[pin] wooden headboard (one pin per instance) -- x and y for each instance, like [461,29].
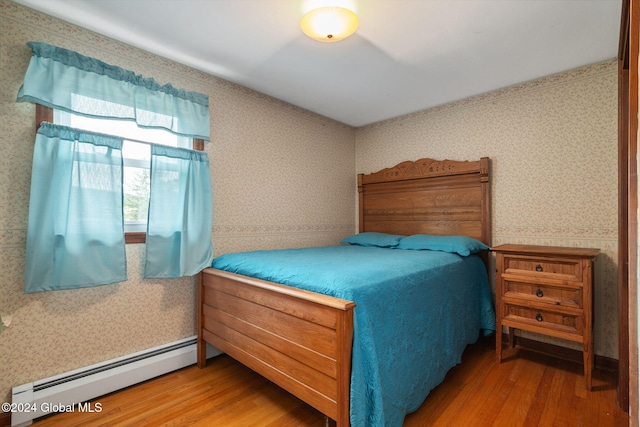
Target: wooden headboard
[428,196]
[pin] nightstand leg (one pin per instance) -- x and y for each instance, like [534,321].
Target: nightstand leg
[499,343]
[588,367]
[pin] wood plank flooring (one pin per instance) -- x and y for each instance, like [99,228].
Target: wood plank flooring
[528,389]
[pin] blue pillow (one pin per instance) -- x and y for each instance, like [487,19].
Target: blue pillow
[372,238]
[461,245]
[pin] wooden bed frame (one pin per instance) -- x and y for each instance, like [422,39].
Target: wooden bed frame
[302,340]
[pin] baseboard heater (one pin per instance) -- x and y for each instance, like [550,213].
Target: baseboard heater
[71,390]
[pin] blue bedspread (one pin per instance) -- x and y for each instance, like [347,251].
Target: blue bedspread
[415,313]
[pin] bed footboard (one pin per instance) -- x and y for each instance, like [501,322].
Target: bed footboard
[297,339]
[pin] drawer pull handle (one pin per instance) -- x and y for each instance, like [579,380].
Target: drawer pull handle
[538,267]
[539,293]
[539,317]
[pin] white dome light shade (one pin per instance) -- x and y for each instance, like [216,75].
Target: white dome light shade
[329,23]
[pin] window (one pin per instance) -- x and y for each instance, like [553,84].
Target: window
[75,230]
[136,157]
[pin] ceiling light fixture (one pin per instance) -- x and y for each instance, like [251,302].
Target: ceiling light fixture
[329,22]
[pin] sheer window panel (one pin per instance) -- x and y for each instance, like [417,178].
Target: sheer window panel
[136,159]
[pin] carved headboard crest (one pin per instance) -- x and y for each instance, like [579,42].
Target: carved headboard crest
[424,168]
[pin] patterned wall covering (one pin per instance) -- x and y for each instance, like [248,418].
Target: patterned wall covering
[282,177]
[553,149]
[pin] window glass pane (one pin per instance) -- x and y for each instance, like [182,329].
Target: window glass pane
[136,194]
[135,151]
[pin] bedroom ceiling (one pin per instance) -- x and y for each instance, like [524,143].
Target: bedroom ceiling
[407,55]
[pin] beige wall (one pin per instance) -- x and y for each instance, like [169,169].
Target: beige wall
[281,177]
[553,149]
[284,177]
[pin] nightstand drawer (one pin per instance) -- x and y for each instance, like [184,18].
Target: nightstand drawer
[531,318]
[563,269]
[546,294]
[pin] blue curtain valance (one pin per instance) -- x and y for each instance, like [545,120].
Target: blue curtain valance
[60,78]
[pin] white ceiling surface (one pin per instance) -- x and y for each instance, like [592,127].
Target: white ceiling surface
[406,56]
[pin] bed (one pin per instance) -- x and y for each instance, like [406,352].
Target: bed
[300,335]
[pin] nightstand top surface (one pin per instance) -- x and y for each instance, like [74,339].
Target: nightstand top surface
[547,250]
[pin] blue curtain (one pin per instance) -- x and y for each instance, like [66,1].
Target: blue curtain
[56,76]
[180,213]
[75,235]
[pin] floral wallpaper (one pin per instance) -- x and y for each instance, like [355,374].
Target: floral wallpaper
[285,177]
[281,176]
[554,174]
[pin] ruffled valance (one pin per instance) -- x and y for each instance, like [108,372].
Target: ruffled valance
[61,79]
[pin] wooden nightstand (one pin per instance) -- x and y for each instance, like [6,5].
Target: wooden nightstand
[546,290]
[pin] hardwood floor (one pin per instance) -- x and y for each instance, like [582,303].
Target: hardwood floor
[528,390]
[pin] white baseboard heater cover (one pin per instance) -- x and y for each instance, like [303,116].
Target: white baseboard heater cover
[72,388]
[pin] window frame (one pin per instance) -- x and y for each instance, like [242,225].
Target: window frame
[45,114]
